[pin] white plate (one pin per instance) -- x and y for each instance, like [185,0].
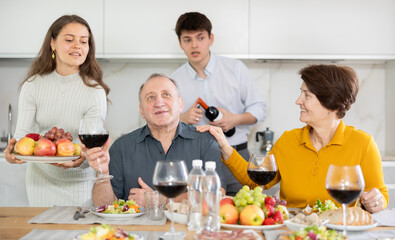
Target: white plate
[293,226]
[135,235]
[118,216]
[352,228]
[177,217]
[46,159]
[260,227]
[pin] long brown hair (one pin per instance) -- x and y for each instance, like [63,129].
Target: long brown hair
[89,71]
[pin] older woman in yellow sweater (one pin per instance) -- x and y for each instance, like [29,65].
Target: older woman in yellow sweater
[303,155]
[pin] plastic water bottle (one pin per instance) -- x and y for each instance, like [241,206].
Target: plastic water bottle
[211,195]
[194,195]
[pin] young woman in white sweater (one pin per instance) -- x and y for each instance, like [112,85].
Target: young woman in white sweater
[64,85]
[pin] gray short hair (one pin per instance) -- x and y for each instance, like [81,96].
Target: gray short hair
[154,75]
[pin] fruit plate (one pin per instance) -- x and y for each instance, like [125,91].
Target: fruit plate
[134,235]
[260,227]
[46,159]
[119,216]
[351,227]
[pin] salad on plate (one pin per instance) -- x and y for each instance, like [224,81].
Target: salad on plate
[119,206]
[314,232]
[105,232]
[320,207]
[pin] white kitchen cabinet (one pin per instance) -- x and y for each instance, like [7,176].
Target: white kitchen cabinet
[24,23]
[146,29]
[310,29]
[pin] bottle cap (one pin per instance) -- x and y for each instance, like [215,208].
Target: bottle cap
[197,163]
[209,164]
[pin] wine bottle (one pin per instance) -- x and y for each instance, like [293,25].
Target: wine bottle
[214,115]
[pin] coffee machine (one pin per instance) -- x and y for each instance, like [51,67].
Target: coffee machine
[267,140]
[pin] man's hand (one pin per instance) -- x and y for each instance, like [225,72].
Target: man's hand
[96,153]
[192,115]
[137,194]
[227,122]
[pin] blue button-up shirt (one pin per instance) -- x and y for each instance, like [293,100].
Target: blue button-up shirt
[228,85]
[135,155]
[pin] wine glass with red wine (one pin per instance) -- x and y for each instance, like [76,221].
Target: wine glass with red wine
[262,168]
[93,134]
[345,184]
[170,179]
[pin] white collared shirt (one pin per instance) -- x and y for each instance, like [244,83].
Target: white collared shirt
[228,85]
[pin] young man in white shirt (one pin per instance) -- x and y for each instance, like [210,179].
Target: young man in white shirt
[221,82]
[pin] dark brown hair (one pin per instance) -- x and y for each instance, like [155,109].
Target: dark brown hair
[89,71]
[336,87]
[192,21]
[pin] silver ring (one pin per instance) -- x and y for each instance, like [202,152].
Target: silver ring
[376,203]
[197,119]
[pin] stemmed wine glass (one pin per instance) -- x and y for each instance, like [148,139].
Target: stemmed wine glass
[262,168]
[170,179]
[93,134]
[345,184]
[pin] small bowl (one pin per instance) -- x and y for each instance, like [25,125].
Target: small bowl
[177,217]
[293,226]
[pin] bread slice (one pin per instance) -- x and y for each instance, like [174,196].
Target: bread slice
[355,216]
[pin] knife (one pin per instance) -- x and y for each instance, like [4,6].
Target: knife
[77,214]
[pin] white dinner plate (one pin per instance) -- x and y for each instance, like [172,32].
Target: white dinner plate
[135,235]
[177,217]
[118,216]
[260,227]
[351,227]
[46,159]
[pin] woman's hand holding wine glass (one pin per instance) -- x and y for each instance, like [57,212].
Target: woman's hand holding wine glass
[345,184]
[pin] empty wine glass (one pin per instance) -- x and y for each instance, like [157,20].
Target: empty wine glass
[262,168]
[345,184]
[93,134]
[170,179]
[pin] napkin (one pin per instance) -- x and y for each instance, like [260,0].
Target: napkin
[365,235]
[385,217]
[64,215]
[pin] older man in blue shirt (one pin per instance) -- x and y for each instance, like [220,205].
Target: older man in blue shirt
[133,156]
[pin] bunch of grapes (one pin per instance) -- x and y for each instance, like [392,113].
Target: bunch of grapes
[56,133]
[246,196]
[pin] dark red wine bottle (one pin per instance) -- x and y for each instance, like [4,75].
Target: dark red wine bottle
[213,115]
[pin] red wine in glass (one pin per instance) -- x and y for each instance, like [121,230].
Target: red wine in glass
[171,189]
[344,184]
[93,140]
[262,168]
[93,134]
[261,177]
[170,179]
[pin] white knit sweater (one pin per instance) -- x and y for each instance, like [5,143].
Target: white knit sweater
[61,101]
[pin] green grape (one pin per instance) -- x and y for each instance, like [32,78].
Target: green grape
[246,188]
[260,199]
[241,192]
[245,195]
[257,204]
[240,209]
[258,189]
[243,202]
[237,202]
[250,200]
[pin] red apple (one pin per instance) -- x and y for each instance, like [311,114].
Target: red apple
[252,215]
[228,214]
[45,147]
[25,146]
[34,136]
[64,147]
[226,201]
